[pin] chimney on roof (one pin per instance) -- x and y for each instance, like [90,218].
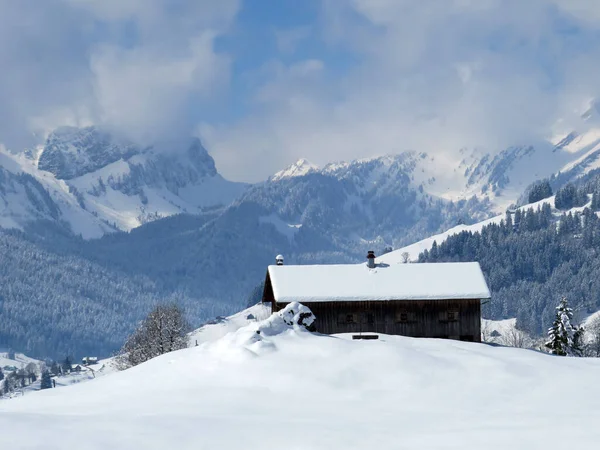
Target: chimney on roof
[279,260]
[371,259]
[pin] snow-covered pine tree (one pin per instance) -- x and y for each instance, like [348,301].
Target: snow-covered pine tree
[46,381]
[564,339]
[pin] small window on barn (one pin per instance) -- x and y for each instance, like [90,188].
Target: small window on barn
[347,318]
[402,317]
[449,315]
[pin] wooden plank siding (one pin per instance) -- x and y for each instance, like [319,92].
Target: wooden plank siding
[449,319]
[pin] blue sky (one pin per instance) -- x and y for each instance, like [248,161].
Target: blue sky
[265,82]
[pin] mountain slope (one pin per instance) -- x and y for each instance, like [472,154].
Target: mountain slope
[56,298]
[363,395]
[99,183]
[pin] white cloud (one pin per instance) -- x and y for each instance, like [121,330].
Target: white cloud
[136,65]
[432,76]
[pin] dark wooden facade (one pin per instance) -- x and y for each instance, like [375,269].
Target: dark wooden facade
[458,319]
[448,319]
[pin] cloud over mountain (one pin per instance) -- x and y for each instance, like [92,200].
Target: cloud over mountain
[137,66]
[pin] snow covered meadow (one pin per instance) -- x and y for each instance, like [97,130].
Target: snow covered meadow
[285,388]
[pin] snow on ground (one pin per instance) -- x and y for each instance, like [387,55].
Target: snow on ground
[589,320]
[503,332]
[224,325]
[286,229]
[19,362]
[417,248]
[499,326]
[297,390]
[87,373]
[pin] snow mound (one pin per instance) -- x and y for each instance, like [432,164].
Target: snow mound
[256,338]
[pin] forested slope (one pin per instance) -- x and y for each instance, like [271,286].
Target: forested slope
[532,259]
[55,302]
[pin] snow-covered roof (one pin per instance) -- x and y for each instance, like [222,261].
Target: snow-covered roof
[356,282]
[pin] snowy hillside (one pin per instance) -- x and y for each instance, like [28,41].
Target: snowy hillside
[221,326]
[413,250]
[19,362]
[321,392]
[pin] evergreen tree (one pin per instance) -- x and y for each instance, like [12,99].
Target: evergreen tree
[256,295]
[55,368]
[578,345]
[564,339]
[508,221]
[1,374]
[517,219]
[540,191]
[67,365]
[46,381]
[6,386]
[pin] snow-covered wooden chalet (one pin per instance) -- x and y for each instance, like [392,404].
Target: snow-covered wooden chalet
[441,300]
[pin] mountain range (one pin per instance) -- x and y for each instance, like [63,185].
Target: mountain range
[118,221]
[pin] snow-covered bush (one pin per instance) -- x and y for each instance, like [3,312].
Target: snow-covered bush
[294,316]
[297,315]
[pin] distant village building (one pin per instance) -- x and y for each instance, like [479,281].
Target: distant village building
[440,300]
[88,360]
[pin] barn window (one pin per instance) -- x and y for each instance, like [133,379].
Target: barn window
[347,318]
[449,315]
[404,316]
[369,318]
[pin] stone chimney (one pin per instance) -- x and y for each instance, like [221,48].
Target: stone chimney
[279,260]
[371,259]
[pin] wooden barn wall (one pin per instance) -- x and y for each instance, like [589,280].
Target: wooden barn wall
[415,318]
[268,292]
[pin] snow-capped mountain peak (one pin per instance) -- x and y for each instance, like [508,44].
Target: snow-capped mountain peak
[299,168]
[70,152]
[96,182]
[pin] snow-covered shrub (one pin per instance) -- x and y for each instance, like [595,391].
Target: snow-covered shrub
[296,314]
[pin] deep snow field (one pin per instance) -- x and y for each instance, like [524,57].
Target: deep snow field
[290,389]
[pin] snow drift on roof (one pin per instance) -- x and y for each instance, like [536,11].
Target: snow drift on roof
[355,282]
